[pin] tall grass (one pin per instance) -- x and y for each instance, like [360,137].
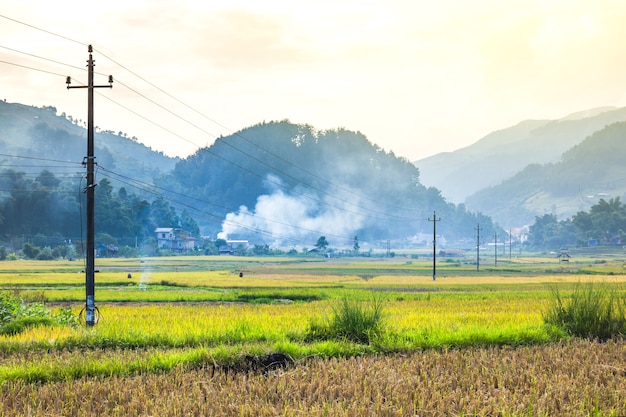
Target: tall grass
[354,320]
[594,312]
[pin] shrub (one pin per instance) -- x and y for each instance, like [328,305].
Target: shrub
[30,251]
[356,321]
[16,316]
[590,312]
[46,254]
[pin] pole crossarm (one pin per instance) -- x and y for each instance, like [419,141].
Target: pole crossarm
[89,161]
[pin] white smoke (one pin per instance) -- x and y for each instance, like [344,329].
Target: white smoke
[295,219]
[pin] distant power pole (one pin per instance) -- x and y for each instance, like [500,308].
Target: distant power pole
[495,246]
[510,245]
[90,304]
[434,220]
[477,247]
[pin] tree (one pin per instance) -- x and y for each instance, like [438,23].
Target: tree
[30,251]
[605,221]
[548,233]
[543,227]
[188,224]
[356,244]
[322,243]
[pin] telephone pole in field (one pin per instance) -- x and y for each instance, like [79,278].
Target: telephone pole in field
[495,251]
[89,161]
[434,220]
[477,247]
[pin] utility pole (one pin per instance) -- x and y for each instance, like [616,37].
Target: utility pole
[478,247]
[90,304]
[434,220]
[510,245]
[495,247]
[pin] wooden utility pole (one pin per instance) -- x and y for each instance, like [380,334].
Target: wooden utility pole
[434,220]
[478,247]
[495,251]
[89,161]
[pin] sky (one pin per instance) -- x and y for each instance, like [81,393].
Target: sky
[416,77]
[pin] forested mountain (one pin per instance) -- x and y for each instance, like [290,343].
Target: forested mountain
[501,154]
[287,183]
[588,172]
[35,137]
[275,183]
[42,182]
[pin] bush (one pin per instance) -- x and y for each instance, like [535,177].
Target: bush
[30,251]
[46,254]
[594,313]
[16,316]
[356,321]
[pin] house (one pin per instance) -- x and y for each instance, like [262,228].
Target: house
[174,239]
[233,246]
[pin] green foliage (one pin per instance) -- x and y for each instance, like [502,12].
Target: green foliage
[352,320]
[590,312]
[30,251]
[605,221]
[45,254]
[9,306]
[16,315]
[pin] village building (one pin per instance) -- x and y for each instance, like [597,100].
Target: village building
[233,246]
[174,239]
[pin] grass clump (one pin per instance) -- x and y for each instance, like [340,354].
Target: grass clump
[353,320]
[590,312]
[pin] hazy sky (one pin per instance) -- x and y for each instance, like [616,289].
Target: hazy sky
[416,77]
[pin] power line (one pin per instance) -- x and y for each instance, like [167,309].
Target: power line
[42,58]
[39,159]
[43,30]
[31,68]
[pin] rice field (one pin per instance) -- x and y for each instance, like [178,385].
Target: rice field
[574,378]
[186,336]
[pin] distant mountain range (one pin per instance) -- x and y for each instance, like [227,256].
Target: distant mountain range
[536,167]
[488,175]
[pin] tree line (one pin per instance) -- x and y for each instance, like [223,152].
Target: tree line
[47,211]
[603,224]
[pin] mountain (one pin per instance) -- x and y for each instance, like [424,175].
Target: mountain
[35,137]
[275,183]
[591,170]
[286,183]
[501,154]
